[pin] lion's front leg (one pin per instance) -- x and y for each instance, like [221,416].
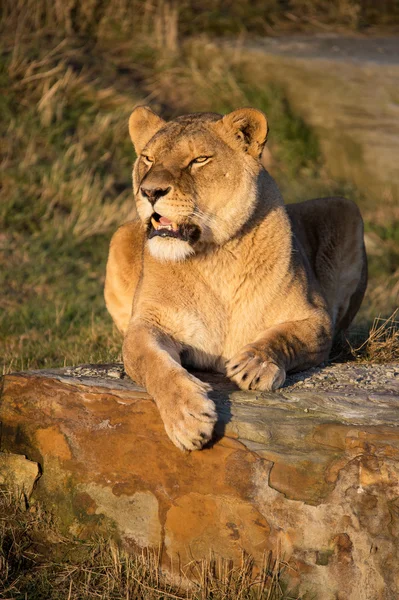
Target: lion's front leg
[290,346]
[152,359]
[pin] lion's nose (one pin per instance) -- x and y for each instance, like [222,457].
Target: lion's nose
[154,193]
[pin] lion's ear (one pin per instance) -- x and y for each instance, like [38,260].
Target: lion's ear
[249,126]
[143,125]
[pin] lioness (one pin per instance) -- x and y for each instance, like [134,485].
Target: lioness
[217,273]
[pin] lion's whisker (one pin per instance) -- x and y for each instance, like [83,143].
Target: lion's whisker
[208,220]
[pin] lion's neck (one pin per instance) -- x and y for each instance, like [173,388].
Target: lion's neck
[268,228]
[241,258]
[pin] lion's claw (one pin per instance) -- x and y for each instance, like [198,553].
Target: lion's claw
[251,370]
[188,414]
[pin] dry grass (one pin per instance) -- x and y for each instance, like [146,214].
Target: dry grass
[382,343]
[66,162]
[38,562]
[100,19]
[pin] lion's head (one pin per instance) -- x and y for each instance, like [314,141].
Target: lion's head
[195,178]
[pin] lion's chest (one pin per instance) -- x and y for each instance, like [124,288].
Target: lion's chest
[223,312]
[186,309]
[214,331]
[211,311]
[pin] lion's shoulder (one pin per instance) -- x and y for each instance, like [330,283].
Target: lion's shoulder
[124,271]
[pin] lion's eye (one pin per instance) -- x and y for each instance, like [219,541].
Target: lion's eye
[147,159]
[200,160]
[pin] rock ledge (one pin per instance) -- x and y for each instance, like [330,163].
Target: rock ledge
[310,472]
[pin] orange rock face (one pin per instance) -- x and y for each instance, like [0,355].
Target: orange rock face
[310,473]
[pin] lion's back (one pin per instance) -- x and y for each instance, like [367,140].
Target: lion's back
[331,232]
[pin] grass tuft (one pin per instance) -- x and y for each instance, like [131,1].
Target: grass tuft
[382,343]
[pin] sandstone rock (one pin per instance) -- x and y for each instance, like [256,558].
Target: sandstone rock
[18,473]
[310,472]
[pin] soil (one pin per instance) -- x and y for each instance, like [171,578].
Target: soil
[333,377]
[379,50]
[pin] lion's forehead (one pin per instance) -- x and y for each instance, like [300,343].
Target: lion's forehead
[177,141]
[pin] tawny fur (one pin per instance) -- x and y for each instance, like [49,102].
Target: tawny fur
[260,293]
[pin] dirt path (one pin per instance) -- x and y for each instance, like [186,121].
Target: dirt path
[376,50]
[347,89]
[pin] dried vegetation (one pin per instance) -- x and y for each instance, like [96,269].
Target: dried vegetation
[70,73]
[382,342]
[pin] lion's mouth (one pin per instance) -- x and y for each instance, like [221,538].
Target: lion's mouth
[164,227]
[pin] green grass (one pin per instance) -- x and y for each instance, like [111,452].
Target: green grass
[66,187]
[66,174]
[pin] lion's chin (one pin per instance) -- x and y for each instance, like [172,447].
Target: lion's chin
[169,249]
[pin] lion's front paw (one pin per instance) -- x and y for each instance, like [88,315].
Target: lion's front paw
[251,370]
[188,414]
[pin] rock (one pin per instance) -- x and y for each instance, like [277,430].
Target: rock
[18,473]
[310,472]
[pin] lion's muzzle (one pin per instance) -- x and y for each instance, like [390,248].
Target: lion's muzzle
[165,228]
